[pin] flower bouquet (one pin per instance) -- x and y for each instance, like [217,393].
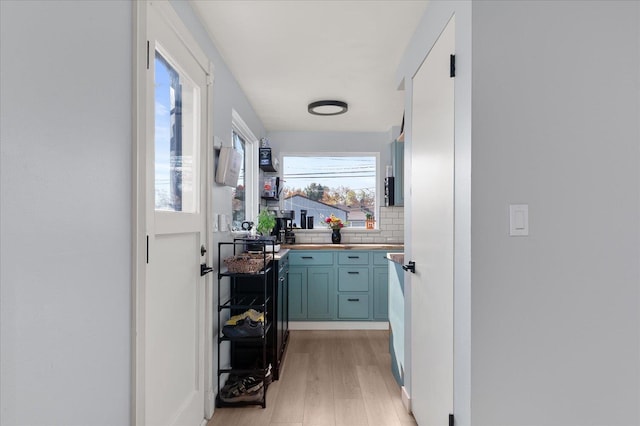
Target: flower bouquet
[334,222]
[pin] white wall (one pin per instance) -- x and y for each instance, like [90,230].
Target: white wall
[66,206]
[554,320]
[65,212]
[555,316]
[227,96]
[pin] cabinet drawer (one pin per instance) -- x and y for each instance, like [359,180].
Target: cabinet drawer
[380,258]
[304,258]
[353,306]
[353,279]
[353,258]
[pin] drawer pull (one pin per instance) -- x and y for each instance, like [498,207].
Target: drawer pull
[353,257]
[353,272]
[353,300]
[307,257]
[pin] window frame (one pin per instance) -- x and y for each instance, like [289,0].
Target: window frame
[378,181]
[239,126]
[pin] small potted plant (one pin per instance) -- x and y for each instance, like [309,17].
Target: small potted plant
[266,222]
[369,221]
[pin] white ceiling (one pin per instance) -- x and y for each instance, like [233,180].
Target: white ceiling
[286,54]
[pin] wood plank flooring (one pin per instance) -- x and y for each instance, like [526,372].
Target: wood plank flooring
[329,378]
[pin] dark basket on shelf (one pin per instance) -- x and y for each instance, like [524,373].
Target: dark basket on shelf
[247,263]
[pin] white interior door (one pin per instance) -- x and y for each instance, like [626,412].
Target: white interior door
[432,208]
[176,227]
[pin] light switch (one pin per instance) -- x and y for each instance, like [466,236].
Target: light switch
[519,220]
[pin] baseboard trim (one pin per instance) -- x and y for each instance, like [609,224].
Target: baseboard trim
[210,404]
[338,325]
[406,399]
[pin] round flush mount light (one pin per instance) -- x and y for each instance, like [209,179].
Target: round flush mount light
[327,108]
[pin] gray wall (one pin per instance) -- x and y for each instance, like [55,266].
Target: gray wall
[65,213]
[227,96]
[66,206]
[554,95]
[555,322]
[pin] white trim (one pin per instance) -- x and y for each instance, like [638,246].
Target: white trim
[338,325]
[251,165]
[209,368]
[406,399]
[138,219]
[183,33]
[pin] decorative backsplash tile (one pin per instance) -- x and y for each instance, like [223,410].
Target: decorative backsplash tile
[390,230]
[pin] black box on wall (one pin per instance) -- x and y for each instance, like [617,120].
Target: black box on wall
[266,161]
[389,191]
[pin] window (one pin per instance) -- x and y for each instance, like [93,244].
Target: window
[239,204]
[342,185]
[176,138]
[244,195]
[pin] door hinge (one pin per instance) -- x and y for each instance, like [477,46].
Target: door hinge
[450,419]
[452,66]
[147,54]
[147,249]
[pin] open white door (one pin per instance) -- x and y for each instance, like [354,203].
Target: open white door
[174,302]
[432,209]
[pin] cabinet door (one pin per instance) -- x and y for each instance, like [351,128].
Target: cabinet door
[321,292]
[297,292]
[380,293]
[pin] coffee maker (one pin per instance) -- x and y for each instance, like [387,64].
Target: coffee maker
[283,230]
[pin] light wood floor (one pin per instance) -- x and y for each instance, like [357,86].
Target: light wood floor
[329,378]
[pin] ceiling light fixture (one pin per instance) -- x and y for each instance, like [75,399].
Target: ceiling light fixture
[327,108]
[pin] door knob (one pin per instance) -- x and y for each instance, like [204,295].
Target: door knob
[203,250]
[204,269]
[411,267]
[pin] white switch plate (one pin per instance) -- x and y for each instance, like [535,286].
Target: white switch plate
[519,220]
[215,223]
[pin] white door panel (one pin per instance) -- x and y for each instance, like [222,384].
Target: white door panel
[174,301]
[432,213]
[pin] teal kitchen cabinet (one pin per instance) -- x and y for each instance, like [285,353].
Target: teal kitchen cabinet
[354,306]
[338,285]
[312,287]
[321,289]
[380,293]
[297,292]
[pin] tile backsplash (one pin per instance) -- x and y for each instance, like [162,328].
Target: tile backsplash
[390,230]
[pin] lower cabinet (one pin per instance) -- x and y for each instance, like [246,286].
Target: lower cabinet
[353,306]
[311,291]
[338,285]
[380,293]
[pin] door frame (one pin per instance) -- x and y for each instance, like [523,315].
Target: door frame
[140,178]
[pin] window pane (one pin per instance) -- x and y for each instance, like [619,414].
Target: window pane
[177,131]
[344,186]
[239,204]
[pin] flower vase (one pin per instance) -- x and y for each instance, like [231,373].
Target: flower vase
[336,237]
